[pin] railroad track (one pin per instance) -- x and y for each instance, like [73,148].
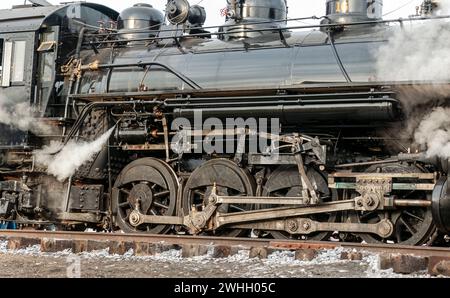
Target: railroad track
[403,259]
[221,241]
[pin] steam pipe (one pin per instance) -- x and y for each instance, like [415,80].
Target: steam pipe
[370,111]
[72,76]
[88,108]
[182,77]
[295,99]
[402,157]
[368,163]
[67,197]
[66,110]
[338,58]
[80,42]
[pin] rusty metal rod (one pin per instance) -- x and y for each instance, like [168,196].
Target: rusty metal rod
[413,203]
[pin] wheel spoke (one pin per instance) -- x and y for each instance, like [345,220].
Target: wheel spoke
[124,204]
[230,180]
[367,215]
[162,194]
[144,187]
[127,192]
[199,192]
[408,226]
[161,205]
[398,236]
[414,216]
[237,208]
[276,195]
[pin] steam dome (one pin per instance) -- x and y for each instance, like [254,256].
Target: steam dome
[140,17]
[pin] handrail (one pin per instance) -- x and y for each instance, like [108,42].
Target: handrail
[179,75]
[318,26]
[204,28]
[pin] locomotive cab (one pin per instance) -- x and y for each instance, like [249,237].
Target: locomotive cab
[35,41]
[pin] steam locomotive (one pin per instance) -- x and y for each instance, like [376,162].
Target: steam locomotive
[333,162]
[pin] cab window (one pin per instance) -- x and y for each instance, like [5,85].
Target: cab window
[13,55]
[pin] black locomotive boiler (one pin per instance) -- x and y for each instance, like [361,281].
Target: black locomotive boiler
[330,164]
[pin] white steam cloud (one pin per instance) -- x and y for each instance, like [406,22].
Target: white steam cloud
[418,52]
[69,158]
[444,7]
[434,132]
[20,116]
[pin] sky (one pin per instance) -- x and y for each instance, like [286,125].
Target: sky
[297,8]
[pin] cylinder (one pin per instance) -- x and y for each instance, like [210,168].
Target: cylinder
[132,136]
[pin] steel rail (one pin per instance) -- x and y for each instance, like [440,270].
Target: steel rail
[211,241]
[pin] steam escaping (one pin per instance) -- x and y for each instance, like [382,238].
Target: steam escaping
[71,157]
[444,7]
[20,116]
[434,132]
[418,52]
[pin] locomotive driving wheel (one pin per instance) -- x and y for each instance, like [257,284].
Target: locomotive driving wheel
[285,182]
[150,186]
[230,180]
[412,225]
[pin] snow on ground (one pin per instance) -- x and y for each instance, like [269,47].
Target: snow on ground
[171,264]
